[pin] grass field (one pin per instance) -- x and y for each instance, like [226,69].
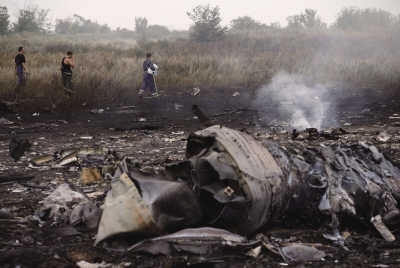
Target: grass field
[109,69]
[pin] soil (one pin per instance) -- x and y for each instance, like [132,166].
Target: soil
[153,133]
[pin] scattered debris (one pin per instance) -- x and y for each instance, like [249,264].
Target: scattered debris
[178,106]
[383,137]
[18,147]
[200,115]
[36,114]
[90,175]
[206,242]
[236,94]
[382,229]
[298,253]
[142,119]
[66,206]
[196,91]
[97,111]
[5,121]
[141,203]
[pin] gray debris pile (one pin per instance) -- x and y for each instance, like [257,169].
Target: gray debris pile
[64,205]
[233,182]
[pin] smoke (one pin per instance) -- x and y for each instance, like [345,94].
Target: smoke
[303,104]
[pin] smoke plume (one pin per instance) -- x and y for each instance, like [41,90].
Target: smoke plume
[301,103]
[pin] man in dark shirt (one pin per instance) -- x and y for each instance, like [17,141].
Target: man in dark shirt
[20,70]
[67,64]
[148,76]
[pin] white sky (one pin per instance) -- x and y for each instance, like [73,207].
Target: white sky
[172,13]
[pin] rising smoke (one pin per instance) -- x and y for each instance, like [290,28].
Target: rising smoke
[298,101]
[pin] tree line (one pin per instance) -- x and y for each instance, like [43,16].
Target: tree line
[206,26]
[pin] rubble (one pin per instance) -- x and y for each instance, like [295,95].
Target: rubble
[140,203]
[18,147]
[206,242]
[239,184]
[66,206]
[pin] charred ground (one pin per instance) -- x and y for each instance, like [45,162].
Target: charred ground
[153,132]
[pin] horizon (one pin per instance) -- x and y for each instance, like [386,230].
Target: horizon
[156,13]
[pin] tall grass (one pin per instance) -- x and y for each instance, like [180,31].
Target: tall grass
[109,70]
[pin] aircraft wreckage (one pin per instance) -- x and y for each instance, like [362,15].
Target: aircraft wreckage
[233,182]
[228,188]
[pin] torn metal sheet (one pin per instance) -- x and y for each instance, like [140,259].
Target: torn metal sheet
[203,241]
[64,205]
[298,253]
[143,204]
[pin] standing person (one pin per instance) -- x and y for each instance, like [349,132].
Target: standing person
[148,76]
[67,64]
[21,71]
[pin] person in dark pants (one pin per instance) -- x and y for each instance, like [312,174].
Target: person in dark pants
[67,64]
[21,71]
[148,76]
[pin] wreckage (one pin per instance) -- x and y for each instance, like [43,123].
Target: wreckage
[231,181]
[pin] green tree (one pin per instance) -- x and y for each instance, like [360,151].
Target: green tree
[141,25]
[355,19]
[309,20]
[158,32]
[78,24]
[206,23]
[4,20]
[32,20]
[245,24]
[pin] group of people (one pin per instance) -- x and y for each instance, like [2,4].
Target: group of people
[68,63]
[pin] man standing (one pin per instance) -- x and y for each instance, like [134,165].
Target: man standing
[150,70]
[20,70]
[67,64]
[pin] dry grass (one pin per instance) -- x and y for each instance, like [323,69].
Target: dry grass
[109,69]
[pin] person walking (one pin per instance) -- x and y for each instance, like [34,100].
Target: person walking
[150,71]
[21,71]
[67,64]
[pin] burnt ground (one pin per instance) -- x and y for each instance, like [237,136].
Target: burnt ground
[157,139]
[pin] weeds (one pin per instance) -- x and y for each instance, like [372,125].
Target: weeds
[108,70]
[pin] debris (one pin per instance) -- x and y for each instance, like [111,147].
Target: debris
[178,106]
[236,179]
[383,137]
[298,253]
[382,229]
[141,203]
[42,160]
[18,147]
[5,121]
[85,213]
[86,137]
[196,91]
[347,124]
[90,175]
[66,206]
[207,242]
[142,119]
[97,111]
[200,115]
[36,114]
[85,264]
[255,252]
[236,94]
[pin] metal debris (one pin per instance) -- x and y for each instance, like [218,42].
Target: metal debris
[298,253]
[141,203]
[205,241]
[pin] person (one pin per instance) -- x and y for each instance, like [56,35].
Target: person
[21,71]
[67,64]
[150,70]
